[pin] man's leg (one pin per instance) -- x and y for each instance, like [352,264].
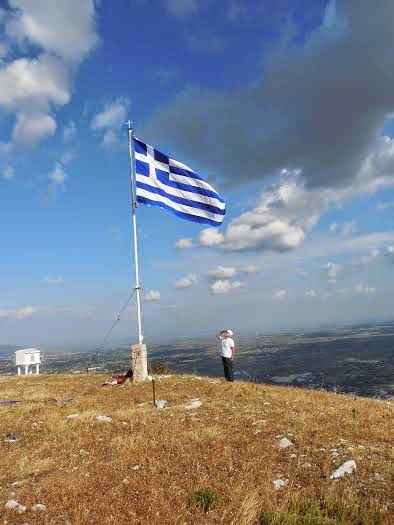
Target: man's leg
[225,367]
[230,370]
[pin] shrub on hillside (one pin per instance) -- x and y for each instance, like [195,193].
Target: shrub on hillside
[204,499]
[159,368]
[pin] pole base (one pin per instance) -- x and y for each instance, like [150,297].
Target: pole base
[139,363]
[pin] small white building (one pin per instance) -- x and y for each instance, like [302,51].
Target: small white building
[28,357]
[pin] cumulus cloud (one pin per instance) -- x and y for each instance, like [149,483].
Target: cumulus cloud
[222,272]
[69,131]
[390,253]
[182,8]
[57,181]
[152,295]
[251,268]
[186,282]
[279,295]
[381,206]
[323,119]
[109,121]
[48,25]
[52,280]
[8,173]
[224,286]
[363,289]
[17,313]
[366,260]
[32,87]
[186,242]
[310,293]
[332,270]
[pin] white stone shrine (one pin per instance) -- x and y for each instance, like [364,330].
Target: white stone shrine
[28,357]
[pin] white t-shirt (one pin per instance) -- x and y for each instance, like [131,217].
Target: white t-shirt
[227,345]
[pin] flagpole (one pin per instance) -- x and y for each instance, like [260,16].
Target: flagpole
[134,216]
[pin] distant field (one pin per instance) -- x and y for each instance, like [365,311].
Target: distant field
[356,360]
[157,467]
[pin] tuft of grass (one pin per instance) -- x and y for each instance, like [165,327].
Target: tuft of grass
[324,511]
[204,499]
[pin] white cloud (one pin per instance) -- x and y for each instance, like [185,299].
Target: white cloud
[333,227]
[279,295]
[52,280]
[110,120]
[8,172]
[365,260]
[384,206]
[348,228]
[30,128]
[186,282]
[65,27]
[222,272]
[182,8]
[58,176]
[310,293]
[210,237]
[363,289]
[32,87]
[184,243]
[17,313]
[69,131]
[390,252]
[251,268]
[332,270]
[152,295]
[224,286]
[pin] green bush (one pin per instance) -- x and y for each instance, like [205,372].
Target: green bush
[204,499]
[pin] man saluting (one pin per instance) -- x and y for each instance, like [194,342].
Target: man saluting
[228,351]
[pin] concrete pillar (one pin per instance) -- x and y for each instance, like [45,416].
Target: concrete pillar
[26,369]
[139,363]
[37,368]
[19,370]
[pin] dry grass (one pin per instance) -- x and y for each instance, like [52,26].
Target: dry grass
[82,470]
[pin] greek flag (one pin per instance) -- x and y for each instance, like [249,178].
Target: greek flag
[165,182]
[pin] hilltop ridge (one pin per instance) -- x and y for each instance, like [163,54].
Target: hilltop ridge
[146,465]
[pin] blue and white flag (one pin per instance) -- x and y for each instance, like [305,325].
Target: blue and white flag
[165,182]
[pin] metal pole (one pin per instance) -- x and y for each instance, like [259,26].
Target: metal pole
[134,215]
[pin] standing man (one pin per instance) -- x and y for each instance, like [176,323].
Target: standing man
[228,351]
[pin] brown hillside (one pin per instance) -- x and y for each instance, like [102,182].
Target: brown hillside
[146,465]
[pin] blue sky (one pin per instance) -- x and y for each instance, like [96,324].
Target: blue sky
[285,111]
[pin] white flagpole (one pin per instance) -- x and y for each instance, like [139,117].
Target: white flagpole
[134,215]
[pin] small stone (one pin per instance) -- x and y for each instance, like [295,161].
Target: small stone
[72,416]
[12,504]
[279,483]
[160,403]
[293,455]
[39,507]
[137,467]
[126,481]
[12,438]
[377,476]
[194,403]
[346,468]
[104,419]
[285,443]
[266,404]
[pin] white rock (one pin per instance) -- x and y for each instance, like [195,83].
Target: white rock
[12,504]
[137,467]
[160,403]
[39,507]
[149,378]
[285,443]
[377,476]
[194,403]
[104,419]
[72,416]
[279,483]
[346,468]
